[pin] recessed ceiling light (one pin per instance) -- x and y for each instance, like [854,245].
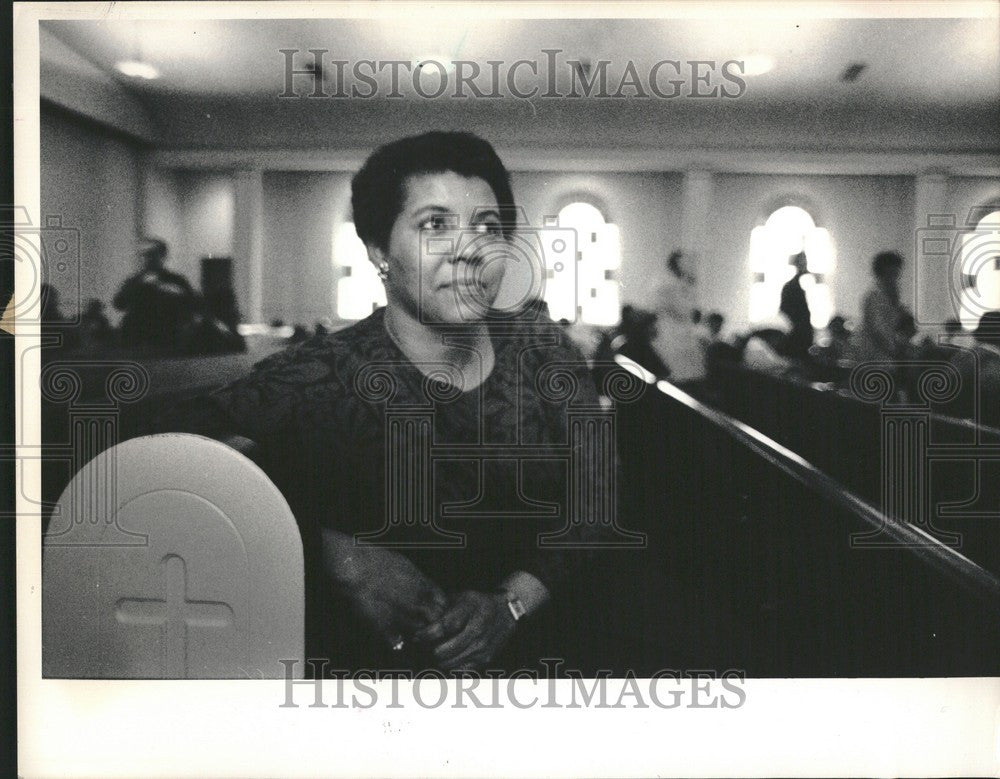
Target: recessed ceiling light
[853,72]
[134,69]
[756,64]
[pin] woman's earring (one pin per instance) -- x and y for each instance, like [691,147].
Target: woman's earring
[383,270]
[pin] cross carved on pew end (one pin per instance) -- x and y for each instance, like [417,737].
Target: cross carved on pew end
[174,614]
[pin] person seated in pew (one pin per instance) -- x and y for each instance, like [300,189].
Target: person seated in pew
[838,338]
[634,339]
[979,369]
[95,329]
[829,355]
[412,558]
[943,343]
[159,305]
[58,331]
[709,334]
[719,350]
[714,323]
[952,335]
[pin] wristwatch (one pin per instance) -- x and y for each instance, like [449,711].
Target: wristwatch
[517,609]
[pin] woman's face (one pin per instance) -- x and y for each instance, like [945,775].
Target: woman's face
[446,252]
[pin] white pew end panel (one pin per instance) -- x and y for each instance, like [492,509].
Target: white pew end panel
[171,557]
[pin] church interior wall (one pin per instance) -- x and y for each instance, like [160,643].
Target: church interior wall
[111,186]
[91,179]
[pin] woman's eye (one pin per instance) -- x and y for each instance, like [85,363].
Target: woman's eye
[437,222]
[492,228]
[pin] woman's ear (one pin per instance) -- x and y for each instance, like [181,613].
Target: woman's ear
[377,257]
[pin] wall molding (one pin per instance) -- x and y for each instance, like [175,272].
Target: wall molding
[616,161]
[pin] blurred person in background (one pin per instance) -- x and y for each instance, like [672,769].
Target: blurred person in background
[882,335]
[676,339]
[159,305]
[796,308]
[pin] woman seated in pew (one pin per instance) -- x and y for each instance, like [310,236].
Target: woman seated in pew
[423,450]
[979,371]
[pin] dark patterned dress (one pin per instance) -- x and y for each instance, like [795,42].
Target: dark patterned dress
[469,485]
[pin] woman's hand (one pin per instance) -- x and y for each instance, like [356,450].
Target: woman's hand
[472,631]
[384,587]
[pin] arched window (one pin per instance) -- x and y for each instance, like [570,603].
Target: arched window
[596,298]
[980,270]
[788,231]
[357,288]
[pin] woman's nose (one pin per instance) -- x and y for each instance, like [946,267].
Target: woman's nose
[469,248]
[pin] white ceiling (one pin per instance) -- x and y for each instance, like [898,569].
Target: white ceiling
[928,83]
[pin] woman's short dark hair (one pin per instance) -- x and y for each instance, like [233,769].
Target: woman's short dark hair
[377,189]
[884,261]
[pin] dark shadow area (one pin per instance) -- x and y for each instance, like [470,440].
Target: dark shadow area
[749,568]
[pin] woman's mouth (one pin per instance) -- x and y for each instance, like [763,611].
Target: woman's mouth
[461,284]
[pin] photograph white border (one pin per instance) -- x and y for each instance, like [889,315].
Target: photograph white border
[869,727]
